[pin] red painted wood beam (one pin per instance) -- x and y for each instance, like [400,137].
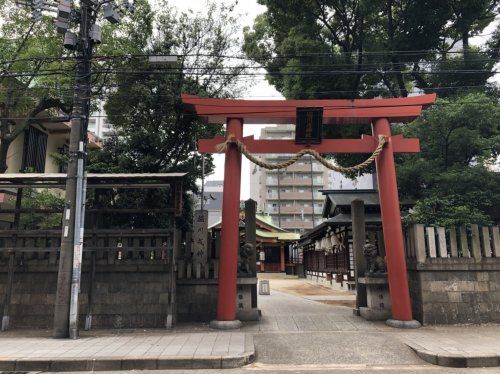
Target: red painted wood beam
[423,100]
[366,144]
[230,231]
[392,229]
[283,111]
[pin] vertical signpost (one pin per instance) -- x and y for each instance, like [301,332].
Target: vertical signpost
[200,230]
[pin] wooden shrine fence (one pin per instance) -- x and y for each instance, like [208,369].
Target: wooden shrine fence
[472,241]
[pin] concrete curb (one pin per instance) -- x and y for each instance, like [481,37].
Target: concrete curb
[133,363]
[457,360]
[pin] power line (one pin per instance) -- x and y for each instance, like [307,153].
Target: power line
[361,90]
[48,119]
[244,57]
[374,63]
[266,74]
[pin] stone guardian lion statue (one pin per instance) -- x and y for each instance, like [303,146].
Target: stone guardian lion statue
[374,263]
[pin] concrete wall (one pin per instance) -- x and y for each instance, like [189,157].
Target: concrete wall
[54,142]
[197,299]
[455,290]
[15,154]
[123,298]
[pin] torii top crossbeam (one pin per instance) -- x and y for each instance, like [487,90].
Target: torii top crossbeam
[363,111]
[358,111]
[377,112]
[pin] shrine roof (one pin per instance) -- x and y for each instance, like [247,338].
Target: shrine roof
[357,111]
[265,229]
[341,219]
[282,236]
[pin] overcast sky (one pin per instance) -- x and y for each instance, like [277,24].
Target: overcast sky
[249,9]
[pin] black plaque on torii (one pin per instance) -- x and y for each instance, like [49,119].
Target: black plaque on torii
[308,128]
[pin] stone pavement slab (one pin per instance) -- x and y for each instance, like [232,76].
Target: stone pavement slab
[457,346]
[150,350]
[297,329]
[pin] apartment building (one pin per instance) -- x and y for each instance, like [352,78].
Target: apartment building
[212,196]
[292,196]
[98,123]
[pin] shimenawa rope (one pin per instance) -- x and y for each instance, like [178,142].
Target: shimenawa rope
[222,147]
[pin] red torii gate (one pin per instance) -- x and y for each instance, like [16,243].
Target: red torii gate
[379,112]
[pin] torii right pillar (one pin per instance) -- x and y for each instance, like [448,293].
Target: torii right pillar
[393,231]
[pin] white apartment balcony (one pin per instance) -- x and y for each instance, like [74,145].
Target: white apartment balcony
[292,210]
[304,168]
[294,182]
[295,196]
[290,225]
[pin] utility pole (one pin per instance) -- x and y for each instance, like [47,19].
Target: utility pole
[89,33]
[68,279]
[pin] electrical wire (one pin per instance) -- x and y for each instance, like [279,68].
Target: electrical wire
[170,96]
[244,57]
[258,112]
[374,63]
[266,74]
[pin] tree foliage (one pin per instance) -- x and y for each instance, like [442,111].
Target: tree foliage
[41,199]
[154,132]
[366,48]
[389,48]
[453,178]
[36,71]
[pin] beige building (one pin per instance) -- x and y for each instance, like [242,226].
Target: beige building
[291,196]
[37,148]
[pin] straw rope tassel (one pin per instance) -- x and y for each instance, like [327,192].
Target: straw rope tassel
[222,147]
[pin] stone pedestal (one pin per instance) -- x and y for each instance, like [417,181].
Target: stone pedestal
[246,310]
[377,297]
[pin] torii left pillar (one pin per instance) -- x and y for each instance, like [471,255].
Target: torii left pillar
[230,236]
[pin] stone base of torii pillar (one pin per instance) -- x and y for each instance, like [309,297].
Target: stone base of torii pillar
[225,325]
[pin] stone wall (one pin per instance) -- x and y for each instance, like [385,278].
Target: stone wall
[197,299]
[455,290]
[123,296]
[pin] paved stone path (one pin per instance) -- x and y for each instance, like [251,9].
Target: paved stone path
[282,312]
[457,346]
[335,336]
[297,331]
[158,349]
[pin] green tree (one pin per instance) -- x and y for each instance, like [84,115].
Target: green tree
[41,199]
[154,132]
[453,178]
[25,90]
[36,71]
[361,48]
